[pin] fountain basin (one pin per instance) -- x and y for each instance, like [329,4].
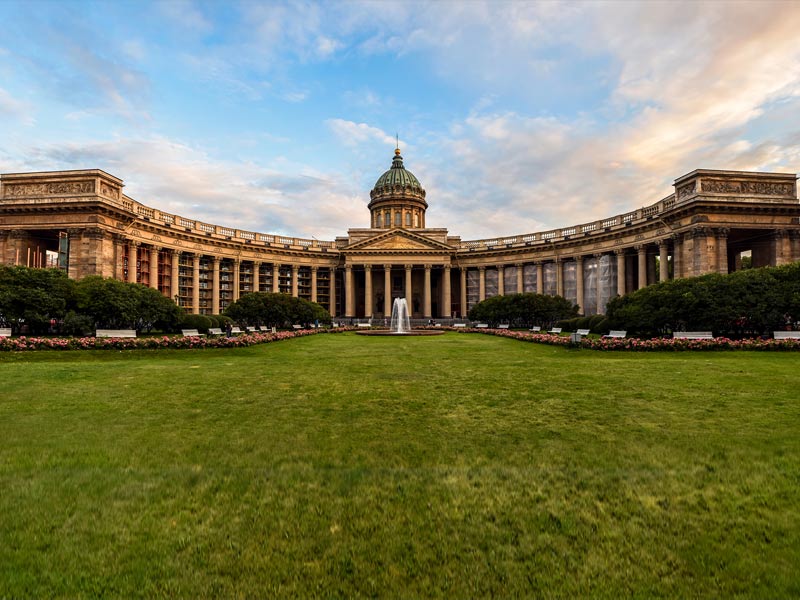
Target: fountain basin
[409,333]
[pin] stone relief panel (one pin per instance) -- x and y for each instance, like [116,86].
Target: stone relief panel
[766,188]
[685,191]
[16,190]
[108,191]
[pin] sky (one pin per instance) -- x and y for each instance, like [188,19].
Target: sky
[516,117]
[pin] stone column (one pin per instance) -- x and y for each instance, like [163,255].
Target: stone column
[175,282]
[794,245]
[409,299]
[501,284]
[559,277]
[620,271]
[119,256]
[387,290]
[195,283]
[539,278]
[601,309]
[642,252]
[446,303]
[256,280]
[520,278]
[349,293]
[663,260]
[677,256]
[705,255]
[313,284]
[462,301]
[722,250]
[154,267]
[237,278]
[651,266]
[215,285]
[481,284]
[133,258]
[779,251]
[579,283]
[368,291]
[332,297]
[426,295]
[276,278]
[295,281]
[4,248]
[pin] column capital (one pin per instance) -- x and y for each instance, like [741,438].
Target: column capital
[133,243]
[722,232]
[779,234]
[620,251]
[295,268]
[408,267]
[314,268]
[794,234]
[446,267]
[640,248]
[519,265]
[348,267]
[700,231]
[481,268]
[578,258]
[598,254]
[368,267]
[215,260]
[155,248]
[428,267]
[18,233]
[663,243]
[387,267]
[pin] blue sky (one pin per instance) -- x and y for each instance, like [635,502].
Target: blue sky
[515,116]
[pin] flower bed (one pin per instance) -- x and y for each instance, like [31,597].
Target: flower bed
[651,345]
[25,343]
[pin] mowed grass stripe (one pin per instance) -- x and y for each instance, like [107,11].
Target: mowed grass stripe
[459,466]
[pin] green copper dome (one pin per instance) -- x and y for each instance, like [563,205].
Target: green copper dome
[397,176]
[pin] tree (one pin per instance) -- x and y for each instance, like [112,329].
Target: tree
[523,310]
[34,297]
[275,310]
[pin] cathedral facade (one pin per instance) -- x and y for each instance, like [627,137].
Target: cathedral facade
[83,222]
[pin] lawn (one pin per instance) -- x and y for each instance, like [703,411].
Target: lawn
[460,466]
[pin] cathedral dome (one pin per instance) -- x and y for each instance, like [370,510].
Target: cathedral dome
[397,179]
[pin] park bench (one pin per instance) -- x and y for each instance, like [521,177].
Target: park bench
[363,325]
[583,332]
[115,333]
[503,326]
[616,334]
[481,325]
[778,335]
[692,335]
[214,331]
[5,331]
[459,325]
[555,330]
[236,331]
[191,333]
[535,329]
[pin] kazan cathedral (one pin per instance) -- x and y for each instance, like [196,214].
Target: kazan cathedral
[83,222]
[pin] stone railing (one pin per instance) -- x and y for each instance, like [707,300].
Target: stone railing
[601,226]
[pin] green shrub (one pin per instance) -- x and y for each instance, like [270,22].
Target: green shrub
[199,322]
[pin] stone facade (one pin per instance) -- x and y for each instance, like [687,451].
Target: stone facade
[85,221]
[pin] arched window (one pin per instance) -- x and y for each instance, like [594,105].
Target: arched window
[378,220]
[408,219]
[416,219]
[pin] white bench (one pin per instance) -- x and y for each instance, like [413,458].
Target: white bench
[778,335]
[504,326]
[5,331]
[297,326]
[236,330]
[191,333]
[535,329]
[115,333]
[583,332]
[481,326]
[365,325]
[459,325]
[214,331]
[616,334]
[692,335]
[555,330]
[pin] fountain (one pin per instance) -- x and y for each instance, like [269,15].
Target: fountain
[400,323]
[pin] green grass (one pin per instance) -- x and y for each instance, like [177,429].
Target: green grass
[342,466]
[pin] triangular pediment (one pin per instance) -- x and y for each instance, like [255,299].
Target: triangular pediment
[399,240]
